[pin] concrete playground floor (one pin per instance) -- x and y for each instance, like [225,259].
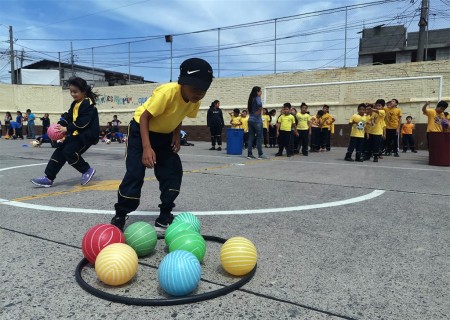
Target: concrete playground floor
[336,240]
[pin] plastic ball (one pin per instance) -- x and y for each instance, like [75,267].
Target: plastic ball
[53,134]
[190,241]
[174,228]
[179,273]
[238,256]
[116,264]
[190,218]
[98,237]
[35,143]
[108,141]
[142,237]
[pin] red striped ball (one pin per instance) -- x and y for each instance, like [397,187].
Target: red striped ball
[98,237]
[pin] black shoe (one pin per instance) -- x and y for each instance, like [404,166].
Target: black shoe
[414,151]
[164,224]
[212,148]
[219,149]
[375,159]
[348,159]
[305,154]
[278,154]
[396,155]
[289,155]
[250,156]
[119,221]
[404,151]
[388,154]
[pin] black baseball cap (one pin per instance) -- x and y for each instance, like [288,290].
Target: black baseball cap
[196,72]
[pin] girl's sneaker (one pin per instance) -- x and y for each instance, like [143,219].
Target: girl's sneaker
[42,182]
[87,176]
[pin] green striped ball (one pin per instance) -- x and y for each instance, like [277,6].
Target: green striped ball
[190,241]
[142,237]
[190,218]
[174,228]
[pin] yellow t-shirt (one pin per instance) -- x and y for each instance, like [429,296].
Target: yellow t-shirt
[244,125]
[434,120]
[407,128]
[266,120]
[326,120]
[236,122]
[167,107]
[286,122]
[302,121]
[392,117]
[314,122]
[75,114]
[358,127]
[376,123]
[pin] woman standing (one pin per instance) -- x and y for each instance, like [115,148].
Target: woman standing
[255,125]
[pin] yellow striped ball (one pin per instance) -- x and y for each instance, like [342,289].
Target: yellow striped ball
[116,264]
[238,256]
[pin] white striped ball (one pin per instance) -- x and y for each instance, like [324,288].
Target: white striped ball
[116,264]
[179,273]
[238,256]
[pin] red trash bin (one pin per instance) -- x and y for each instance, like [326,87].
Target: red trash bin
[439,148]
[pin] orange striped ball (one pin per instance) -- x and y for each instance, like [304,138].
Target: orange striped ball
[238,256]
[116,264]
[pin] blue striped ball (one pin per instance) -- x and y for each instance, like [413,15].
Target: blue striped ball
[179,273]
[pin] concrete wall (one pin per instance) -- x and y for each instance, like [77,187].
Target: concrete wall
[233,92]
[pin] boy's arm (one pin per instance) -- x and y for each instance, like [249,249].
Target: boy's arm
[148,155]
[176,139]
[424,108]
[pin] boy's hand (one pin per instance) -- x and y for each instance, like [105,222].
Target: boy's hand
[176,143]
[148,157]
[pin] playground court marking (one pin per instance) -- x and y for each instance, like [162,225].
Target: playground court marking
[18,204]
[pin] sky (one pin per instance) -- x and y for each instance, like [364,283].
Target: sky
[238,37]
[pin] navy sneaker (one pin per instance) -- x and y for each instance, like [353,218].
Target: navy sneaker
[164,224]
[42,182]
[119,221]
[87,176]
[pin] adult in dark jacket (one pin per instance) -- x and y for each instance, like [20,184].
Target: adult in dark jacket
[81,128]
[214,120]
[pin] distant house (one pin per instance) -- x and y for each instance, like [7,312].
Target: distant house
[93,76]
[392,44]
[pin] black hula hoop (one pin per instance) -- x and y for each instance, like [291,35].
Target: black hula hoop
[162,302]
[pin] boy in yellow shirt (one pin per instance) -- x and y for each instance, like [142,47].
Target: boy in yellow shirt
[393,121]
[326,123]
[375,130]
[244,125]
[235,119]
[303,119]
[407,135]
[285,125]
[357,123]
[435,116]
[154,140]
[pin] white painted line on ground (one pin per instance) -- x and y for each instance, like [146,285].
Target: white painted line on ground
[23,166]
[373,194]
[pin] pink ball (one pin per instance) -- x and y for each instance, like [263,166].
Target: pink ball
[53,134]
[98,237]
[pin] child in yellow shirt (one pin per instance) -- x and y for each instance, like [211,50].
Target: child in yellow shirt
[357,123]
[285,125]
[407,135]
[235,119]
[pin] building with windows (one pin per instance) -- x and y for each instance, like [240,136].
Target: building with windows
[94,76]
[393,44]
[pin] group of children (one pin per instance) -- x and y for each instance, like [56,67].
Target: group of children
[375,129]
[14,129]
[292,131]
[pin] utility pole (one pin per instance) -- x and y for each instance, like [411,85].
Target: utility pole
[19,79]
[71,57]
[11,55]
[423,23]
